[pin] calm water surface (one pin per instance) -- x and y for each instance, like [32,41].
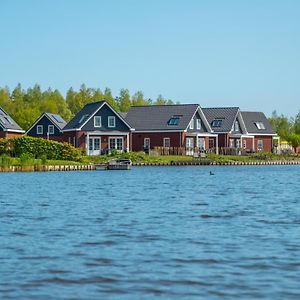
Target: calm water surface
[160,232]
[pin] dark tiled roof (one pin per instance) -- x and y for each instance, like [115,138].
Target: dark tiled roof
[7,122]
[88,110]
[57,120]
[226,114]
[250,118]
[123,114]
[156,117]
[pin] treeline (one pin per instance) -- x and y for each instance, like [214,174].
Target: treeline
[287,128]
[25,106]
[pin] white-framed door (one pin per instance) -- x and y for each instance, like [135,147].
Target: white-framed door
[94,145]
[201,143]
[189,144]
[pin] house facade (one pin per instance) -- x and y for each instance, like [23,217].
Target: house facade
[176,126]
[48,126]
[228,124]
[8,127]
[260,134]
[98,129]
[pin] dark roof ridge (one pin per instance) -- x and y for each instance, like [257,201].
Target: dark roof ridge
[223,107]
[163,105]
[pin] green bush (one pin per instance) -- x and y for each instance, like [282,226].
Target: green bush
[5,160]
[26,159]
[37,147]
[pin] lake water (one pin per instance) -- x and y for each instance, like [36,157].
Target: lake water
[155,232]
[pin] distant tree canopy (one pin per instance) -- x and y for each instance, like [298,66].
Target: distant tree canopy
[25,106]
[287,128]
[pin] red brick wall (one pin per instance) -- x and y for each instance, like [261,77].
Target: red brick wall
[7,134]
[267,143]
[177,139]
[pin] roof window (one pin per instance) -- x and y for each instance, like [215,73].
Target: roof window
[217,123]
[260,125]
[174,120]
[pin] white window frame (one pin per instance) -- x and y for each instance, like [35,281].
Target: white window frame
[149,142]
[192,124]
[198,123]
[236,126]
[260,125]
[165,143]
[39,129]
[114,121]
[116,138]
[97,118]
[50,131]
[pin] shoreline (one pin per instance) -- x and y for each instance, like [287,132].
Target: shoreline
[92,167]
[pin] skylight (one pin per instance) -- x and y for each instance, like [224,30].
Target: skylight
[260,125]
[83,118]
[174,120]
[58,118]
[216,123]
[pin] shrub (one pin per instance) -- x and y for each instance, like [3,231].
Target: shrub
[37,147]
[26,159]
[5,160]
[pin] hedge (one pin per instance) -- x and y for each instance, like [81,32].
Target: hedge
[38,147]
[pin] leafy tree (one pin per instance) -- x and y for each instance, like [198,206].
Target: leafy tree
[294,140]
[123,100]
[138,99]
[297,123]
[281,124]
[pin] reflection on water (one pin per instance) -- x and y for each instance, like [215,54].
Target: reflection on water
[172,232]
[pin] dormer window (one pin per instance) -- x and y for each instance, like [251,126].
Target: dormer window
[97,121]
[111,121]
[198,123]
[260,125]
[174,120]
[216,123]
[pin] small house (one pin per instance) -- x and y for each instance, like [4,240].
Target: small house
[48,126]
[98,129]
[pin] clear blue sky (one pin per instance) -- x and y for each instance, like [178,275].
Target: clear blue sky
[215,53]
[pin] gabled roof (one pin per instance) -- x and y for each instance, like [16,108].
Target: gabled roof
[226,114]
[86,113]
[156,117]
[55,119]
[252,118]
[7,123]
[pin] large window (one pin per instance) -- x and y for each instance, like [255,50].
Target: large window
[147,143]
[231,143]
[260,145]
[116,143]
[236,126]
[167,142]
[50,129]
[201,143]
[97,121]
[111,121]
[39,129]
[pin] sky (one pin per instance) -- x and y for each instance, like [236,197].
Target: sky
[212,52]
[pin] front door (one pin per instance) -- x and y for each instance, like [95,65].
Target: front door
[94,146]
[201,143]
[189,146]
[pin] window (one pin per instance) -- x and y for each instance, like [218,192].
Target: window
[50,129]
[238,143]
[192,124]
[198,123]
[201,143]
[39,129]
[167,142]
[260,145]
[111,121]
[231,143]
[97,121]
[260,125]
[116,143]
[216,123]
[211,143]
[236,126]
[174,120]
[147,143]
[244,144]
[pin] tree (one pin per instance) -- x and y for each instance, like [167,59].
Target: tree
[123,100]
[162,101]
[297,123]
[281,124]
[138,99]
[294,140]
[108,97]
